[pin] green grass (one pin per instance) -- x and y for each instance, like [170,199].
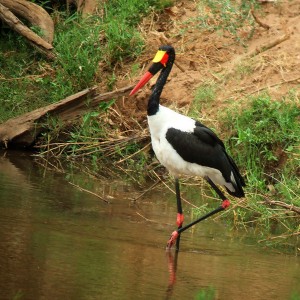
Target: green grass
[19,91]
[203,98]
[267,132]
[265,144]
[244,69]
[205,93]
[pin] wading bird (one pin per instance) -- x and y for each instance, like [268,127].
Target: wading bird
[185,146]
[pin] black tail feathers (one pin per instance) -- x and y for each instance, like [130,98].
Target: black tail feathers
[239,181]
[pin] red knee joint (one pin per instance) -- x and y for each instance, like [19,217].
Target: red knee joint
[225,203]
[179,219]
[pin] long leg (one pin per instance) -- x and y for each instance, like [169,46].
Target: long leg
[217,190]
[224,205]
[179,219]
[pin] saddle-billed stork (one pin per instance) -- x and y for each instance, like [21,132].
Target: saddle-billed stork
[185,146]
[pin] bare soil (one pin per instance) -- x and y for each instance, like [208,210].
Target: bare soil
[271,56]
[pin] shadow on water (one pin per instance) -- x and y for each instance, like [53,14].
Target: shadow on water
[58,242]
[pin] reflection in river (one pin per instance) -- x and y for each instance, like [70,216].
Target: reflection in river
[57,242]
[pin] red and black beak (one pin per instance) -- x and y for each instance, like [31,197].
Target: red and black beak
[159,62]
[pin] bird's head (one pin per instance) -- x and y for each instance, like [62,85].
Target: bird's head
[159,62]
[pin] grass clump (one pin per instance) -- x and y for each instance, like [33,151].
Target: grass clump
[205,93]
[267,134]
[79,51]
[265,141]
[203,98]
[244,69]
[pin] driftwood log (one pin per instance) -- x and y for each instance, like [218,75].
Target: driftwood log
[37,16]
[22,131]
[34,14]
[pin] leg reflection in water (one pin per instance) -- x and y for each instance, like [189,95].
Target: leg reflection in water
[172,268]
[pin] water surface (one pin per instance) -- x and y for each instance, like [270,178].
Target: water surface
[58,242]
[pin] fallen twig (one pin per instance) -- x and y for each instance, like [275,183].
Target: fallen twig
[257,20]
[290,207]
[269,45]
[89,192]
[148,220]
[147,190]
[282,236]
[275,84]
[152,221]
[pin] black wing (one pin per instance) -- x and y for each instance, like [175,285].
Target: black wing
[203,147]
[201,129]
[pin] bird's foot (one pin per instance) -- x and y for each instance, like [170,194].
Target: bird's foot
[172,239]
[179,219]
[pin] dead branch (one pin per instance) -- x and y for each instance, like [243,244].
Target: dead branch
[22,131]
[269,45]
[34,14]
[133,154]
[275,84]
[89,192]
[282,236]
[40,44]
[147,190]
[258,21]
[290,207]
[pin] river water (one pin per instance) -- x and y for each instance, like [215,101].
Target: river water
[60,242]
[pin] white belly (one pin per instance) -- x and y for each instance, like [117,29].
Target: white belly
[167,155]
